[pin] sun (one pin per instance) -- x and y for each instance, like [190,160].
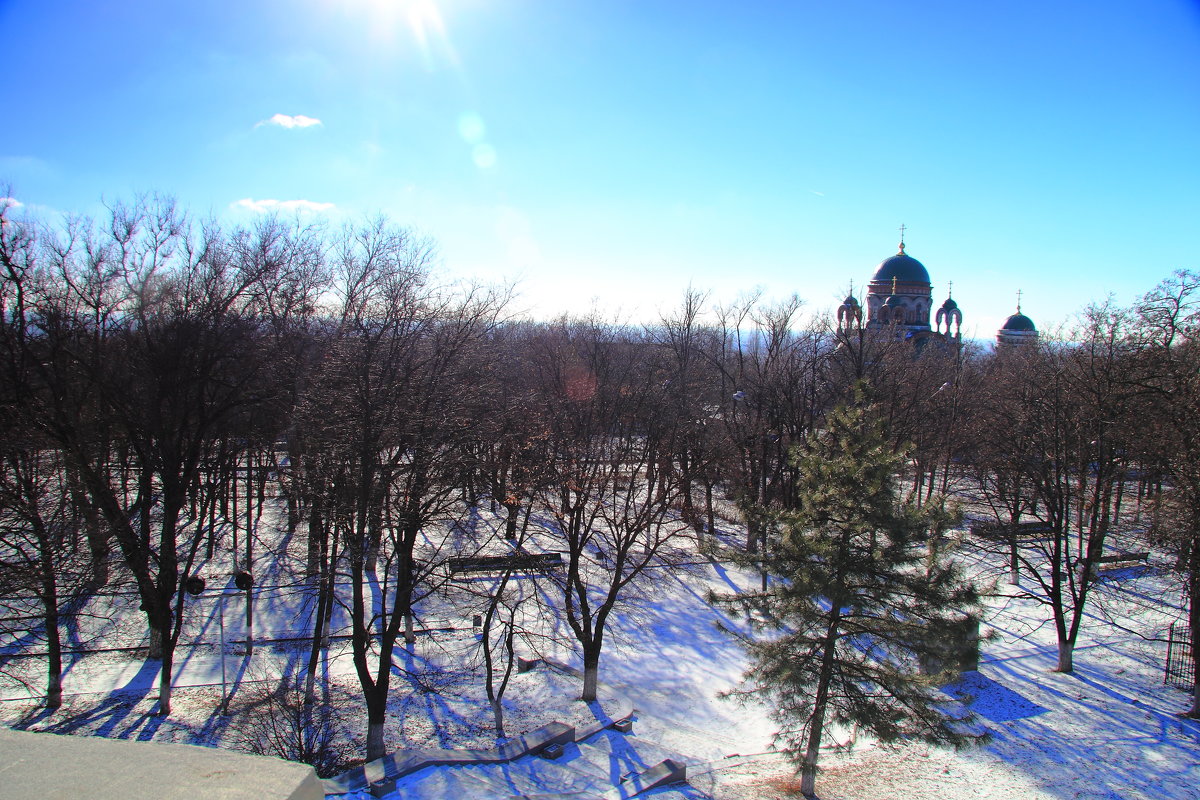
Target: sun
[417,20]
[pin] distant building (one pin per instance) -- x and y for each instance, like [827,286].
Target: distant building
[900,300]
[1018,330]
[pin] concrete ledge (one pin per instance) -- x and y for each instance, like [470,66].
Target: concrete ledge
[50,765]
[380,776]
[664,773]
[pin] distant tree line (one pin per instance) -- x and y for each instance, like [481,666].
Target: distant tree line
[162,377]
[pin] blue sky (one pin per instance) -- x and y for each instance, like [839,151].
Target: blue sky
[617,152]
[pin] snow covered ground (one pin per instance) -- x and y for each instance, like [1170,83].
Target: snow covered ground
[1109,730]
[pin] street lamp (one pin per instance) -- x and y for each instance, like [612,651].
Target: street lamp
[194,586]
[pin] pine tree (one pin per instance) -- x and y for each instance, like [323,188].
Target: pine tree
[856,601]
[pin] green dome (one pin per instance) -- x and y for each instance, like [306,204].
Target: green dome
[1019,322]
[903,268]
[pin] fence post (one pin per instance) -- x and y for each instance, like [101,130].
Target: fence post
[1167,663]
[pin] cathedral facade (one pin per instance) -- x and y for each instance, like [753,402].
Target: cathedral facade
[900,301]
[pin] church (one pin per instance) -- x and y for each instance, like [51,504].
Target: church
[900,299]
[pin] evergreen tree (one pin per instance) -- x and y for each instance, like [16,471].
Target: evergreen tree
[836,637]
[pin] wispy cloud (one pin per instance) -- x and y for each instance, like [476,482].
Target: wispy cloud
[10,202]
[267,206]
[289,121]
[13,166]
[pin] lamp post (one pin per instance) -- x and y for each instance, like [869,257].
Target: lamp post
[224,684]
[194,586]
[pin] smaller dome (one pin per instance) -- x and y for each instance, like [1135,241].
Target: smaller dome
[949,305]
[851,301]
[1019,322]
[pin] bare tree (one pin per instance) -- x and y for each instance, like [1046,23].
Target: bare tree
[769,374]
[610,502]
[142,355]
[397,366]
[40,546]
[1168,370]
[1002,444]
[1076,400]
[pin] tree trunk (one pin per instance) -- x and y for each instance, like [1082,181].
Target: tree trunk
[374,537]
[319,624]
[49,597]
[1066,657]
[249,557]
[250,621]
[816,723]
[510,521]
[164,678]
[376,696]
[293,511]
[591,674]
[1014,564]
[316,537]
[98,544]
[498,717]
[208,508]
[708,506]
[375,738]
[688,511]
[53,656]
[156,643]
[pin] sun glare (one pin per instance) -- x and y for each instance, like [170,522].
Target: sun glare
[418,20]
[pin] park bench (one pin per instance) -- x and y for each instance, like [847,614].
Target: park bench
[527,562]
[1022,530]
[1119,560]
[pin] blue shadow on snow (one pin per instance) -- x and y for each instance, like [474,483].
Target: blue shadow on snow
[992,700]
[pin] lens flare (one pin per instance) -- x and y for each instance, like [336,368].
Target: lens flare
[471,128]
[419,20]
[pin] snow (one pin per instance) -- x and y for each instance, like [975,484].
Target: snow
[1111,729]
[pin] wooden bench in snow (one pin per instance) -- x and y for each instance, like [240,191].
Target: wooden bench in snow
[1119,560]
[999,530]
[523,562]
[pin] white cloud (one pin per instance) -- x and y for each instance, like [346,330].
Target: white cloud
[12,166]
[289,121]
[268,206]
[10,202]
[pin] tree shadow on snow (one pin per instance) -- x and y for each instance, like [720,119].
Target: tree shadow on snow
[991,700]
[1094,733]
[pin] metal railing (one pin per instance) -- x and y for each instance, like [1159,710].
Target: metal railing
[1180,669]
